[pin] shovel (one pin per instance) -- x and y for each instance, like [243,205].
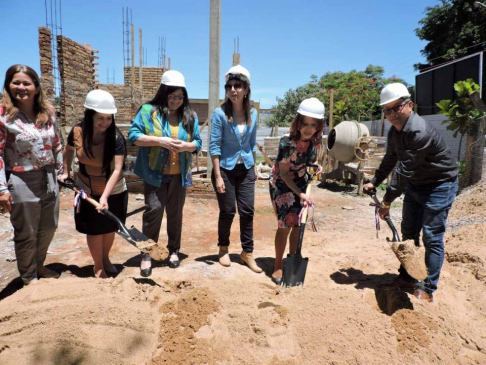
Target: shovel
[410,256]
[295,266]
[132,235]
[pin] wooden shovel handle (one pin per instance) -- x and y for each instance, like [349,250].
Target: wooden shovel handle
[307,193]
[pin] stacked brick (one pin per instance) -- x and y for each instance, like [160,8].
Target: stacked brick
[128,101]
[77,72]
[202,188]
[46,66]
[150,79]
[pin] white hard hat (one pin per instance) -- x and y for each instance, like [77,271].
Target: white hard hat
[238,72]
[173,78]
[100,101]
[392,92]
[312,107]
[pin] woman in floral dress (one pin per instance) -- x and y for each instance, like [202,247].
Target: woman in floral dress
[288,181]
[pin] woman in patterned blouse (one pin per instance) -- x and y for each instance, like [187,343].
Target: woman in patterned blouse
[288,181]
[30,154]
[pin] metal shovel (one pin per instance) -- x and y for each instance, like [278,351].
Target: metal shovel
[132,235]
[412,258]
[295,266]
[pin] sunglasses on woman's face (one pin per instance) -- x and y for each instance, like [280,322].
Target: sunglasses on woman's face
[175,97]
[236,86]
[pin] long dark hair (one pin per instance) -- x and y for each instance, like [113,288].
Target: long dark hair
[110,140]
[227,106]
[185,112]
[297,123]
[43,110]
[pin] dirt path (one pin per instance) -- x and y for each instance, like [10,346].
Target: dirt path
[203,313]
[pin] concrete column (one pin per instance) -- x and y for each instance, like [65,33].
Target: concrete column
[214,66]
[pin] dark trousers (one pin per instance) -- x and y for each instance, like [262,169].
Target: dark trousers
[240,190]
[425,210]
[170,196]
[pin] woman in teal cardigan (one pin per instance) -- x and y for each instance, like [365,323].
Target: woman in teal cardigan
[167,132]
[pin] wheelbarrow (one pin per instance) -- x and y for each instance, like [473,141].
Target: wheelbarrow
[131,235]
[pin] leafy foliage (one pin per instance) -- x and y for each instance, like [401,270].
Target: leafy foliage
[356,93]
[462,114]
[451,28]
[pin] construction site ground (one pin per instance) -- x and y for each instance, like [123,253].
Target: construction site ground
[203,313]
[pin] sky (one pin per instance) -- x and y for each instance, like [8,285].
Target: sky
[281,42]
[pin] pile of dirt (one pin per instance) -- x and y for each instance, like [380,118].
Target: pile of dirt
[203,313]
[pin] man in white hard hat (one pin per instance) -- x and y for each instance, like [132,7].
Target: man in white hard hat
[427,172]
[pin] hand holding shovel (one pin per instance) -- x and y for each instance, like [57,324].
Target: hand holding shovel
[410,256]
[132,235]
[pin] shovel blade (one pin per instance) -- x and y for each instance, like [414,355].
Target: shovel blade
[145,244]
[294,270]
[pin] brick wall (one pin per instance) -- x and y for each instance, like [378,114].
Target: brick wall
[77,72]
[126,104]
[150,79]
[46,66]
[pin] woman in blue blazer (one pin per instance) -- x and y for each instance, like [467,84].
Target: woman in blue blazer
[232,148]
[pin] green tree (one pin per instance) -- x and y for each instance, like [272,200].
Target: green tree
[464,118]
[453,28]
[356,93]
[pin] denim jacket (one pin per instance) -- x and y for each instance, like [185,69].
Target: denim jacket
[151,160]
[226,142]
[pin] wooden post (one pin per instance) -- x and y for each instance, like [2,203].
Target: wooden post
[382,124]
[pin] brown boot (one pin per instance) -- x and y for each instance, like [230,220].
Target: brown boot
[223,256]
[246,258]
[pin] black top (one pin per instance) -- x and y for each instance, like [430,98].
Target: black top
[421,157]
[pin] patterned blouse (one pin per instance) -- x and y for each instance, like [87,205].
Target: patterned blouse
[25,147]
[299,155]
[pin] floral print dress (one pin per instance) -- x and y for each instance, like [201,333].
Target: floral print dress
[286,204]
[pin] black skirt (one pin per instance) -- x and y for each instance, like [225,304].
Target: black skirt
[89,221]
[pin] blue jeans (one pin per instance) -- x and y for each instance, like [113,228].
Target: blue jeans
[425,209]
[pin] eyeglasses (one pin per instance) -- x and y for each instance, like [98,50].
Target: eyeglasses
[396,109]
[175,97]
[236,86]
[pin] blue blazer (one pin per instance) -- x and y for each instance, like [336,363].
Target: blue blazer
[225,140]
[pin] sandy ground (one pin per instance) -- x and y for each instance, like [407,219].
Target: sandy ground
[203,313]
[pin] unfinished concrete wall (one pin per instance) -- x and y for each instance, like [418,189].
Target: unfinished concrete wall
[46,66]
[77,73]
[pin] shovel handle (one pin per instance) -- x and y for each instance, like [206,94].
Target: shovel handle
[304,212]
[396,237]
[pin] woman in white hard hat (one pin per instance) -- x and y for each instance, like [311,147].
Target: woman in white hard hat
[288,181]
[30,154]
[232,148]
[101,150]
[166,129]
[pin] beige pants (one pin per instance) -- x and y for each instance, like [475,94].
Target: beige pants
[34,217]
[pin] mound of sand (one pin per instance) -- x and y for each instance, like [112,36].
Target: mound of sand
[203,313]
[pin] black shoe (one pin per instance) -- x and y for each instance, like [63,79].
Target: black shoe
[277,281]
[174,264]
[148,271]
